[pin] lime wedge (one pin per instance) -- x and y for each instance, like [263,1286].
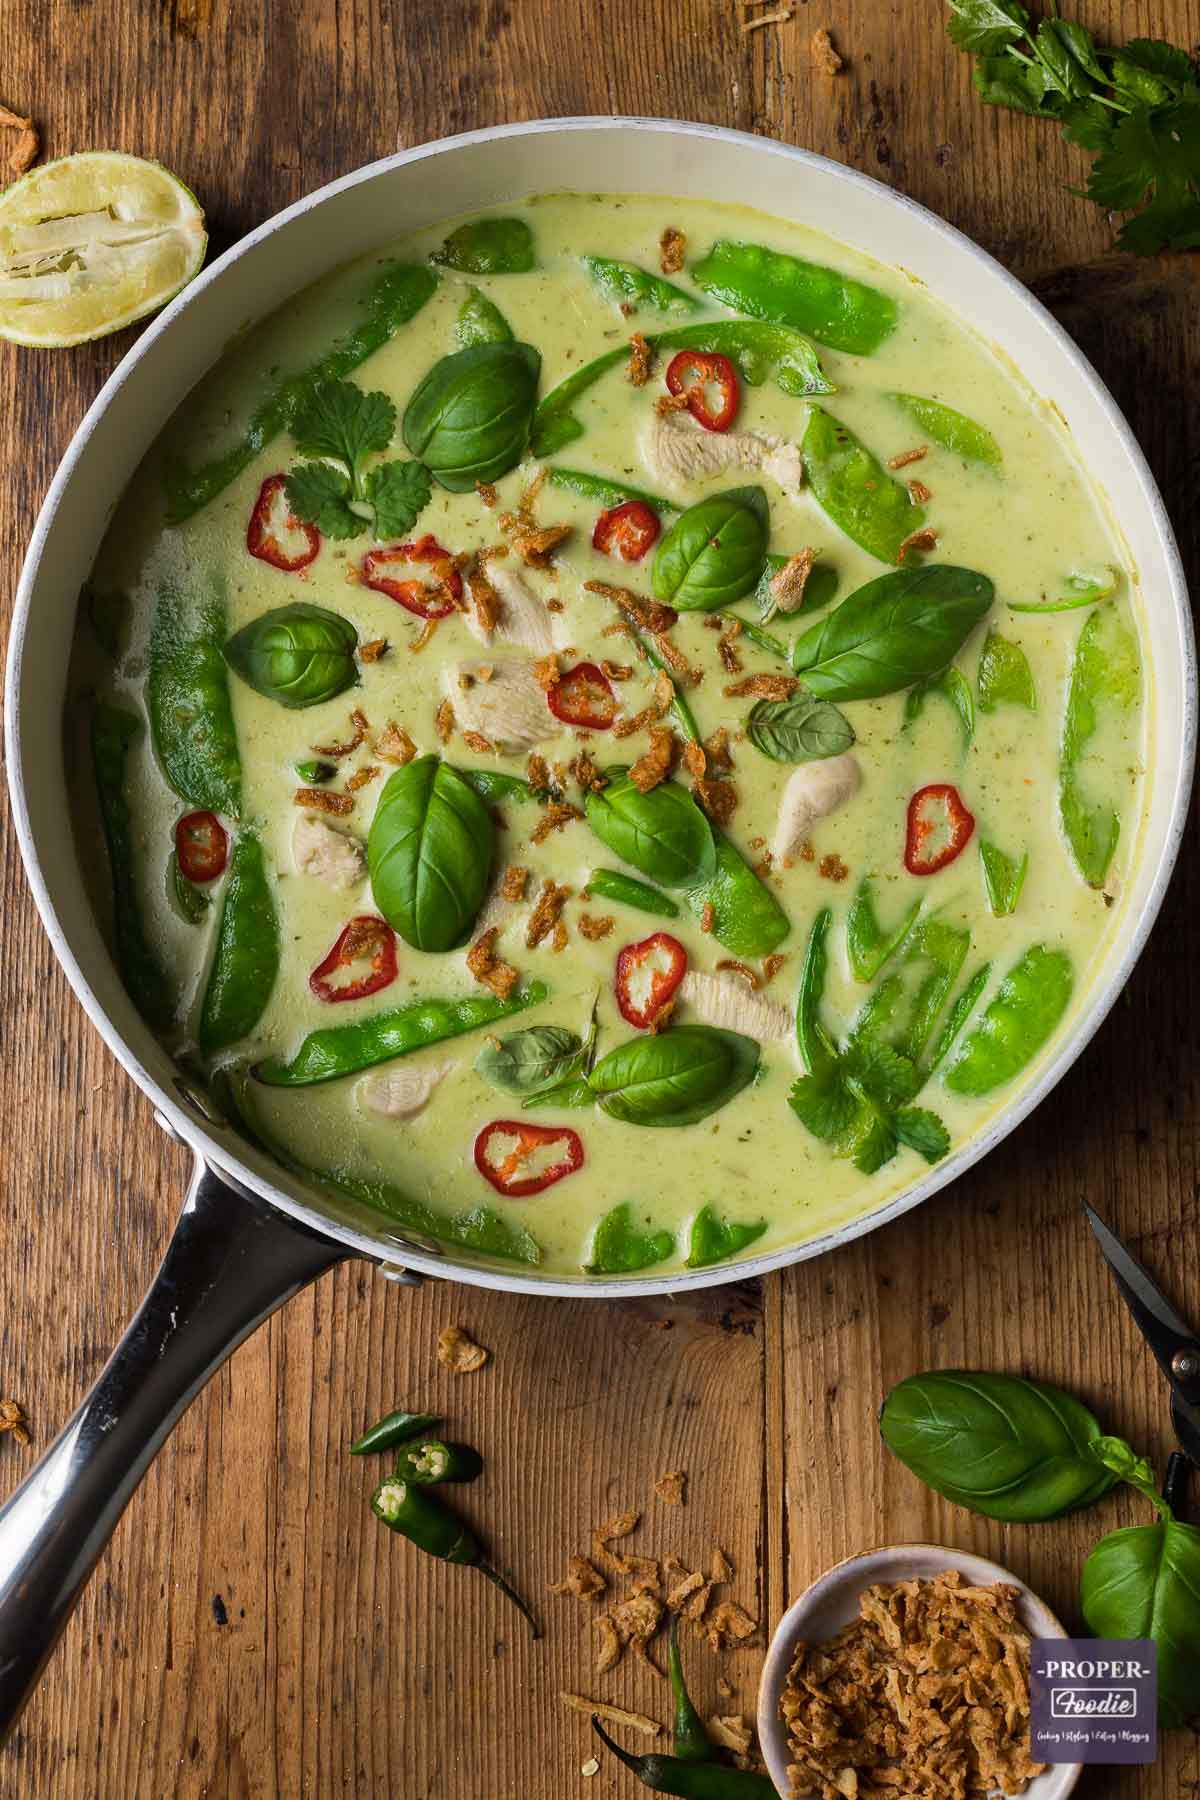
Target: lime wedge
[91,242]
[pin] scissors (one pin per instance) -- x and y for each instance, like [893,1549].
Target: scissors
[1176,1348]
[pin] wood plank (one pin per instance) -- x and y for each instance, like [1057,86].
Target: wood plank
[345,1663]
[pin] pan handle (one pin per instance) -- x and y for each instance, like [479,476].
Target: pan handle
[232,1261]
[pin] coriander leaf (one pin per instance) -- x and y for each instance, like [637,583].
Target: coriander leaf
[339,420]
[1088,124]
[1162,226]
[319,495]
[1001,81]
[399,492]
[883,1073]
[1123,172]
[1081,45]
[986,26]
[823,1103]
[874,1143]
[1064,51]
[1151,56]
[923,1132]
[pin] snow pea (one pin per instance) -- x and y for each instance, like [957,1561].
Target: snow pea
[1004,677]
[758,350]
[868,944]
[1003,877]
[746,917]
[939,949]
[964,1005]
[1105,682]
[246,960]
[952,430]
[114,732]
[631,286]
[480,321]
[1086,589]
[817,1048]
[187,696]
[852,486]
[481,1229]
[714,552]
[609,884]
[489,247]
[190,902]
[393,296]
[1019,1019]
[845,314]
[345,1049]
[713,1239]
[619,1247]
[952,686]
[606,492]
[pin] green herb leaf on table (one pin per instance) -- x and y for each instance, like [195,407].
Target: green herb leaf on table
[996,1444]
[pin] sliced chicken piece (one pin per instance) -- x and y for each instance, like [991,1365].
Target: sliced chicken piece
[325,854]
[524,622]
[728,1002]
[399,1092]
[508,707]
[677,450]
[815,790]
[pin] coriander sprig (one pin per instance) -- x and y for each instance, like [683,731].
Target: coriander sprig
[1136,109]
[340,427]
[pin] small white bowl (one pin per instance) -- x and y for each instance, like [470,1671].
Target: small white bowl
[832,1602]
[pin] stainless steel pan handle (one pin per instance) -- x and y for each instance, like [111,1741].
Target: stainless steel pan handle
[231,1262]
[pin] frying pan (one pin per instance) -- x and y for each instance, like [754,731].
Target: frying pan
[250,1236]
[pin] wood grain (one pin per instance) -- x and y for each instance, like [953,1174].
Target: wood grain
[250,1632]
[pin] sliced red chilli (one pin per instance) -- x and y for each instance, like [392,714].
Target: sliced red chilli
[520,1159]
[584,697]
[201,846]
[275,535]
[938,829]
[362,961]
[383,570]
[627,531]
[647,977]
[710,384]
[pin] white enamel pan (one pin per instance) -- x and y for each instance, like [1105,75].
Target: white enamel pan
[250,1236]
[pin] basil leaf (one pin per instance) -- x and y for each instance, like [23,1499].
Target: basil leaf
[468,420]
[1003,878]
[798,730]
[746,917]
[1105,683]
[952,686]
[1017,1022]
[318,494]
[480,321]
[337,419]
[399,492]
[677,1078]
[529,1061]
[489,247]
[620,1248]
[1004,677]
[999,1445]
[1081,590]
[573,1092]
[952,430]
[852,486]
[1144,1582]
[630,286]
[713,553]
[298,655]
[429,852]
[662,834]
[893,632]
[714,1240]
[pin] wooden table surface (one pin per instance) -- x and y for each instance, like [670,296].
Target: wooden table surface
[251,1632]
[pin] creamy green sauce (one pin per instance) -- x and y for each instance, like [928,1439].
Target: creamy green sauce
[1027,526]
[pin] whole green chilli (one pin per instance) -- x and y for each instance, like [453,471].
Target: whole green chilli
[339,1050]
[468,419]
[187,698]
[688,1779]
[621,1247]
[297,655]
[246,960]
[114,732]
[489,247]
[394,1428]
[429,851]
[996,1444]
[768,284]
[690,1739]
[413,1512]
[1017,1022]
[675,1078]
[713,553]
[854,489]
[394,295]
[434,1461]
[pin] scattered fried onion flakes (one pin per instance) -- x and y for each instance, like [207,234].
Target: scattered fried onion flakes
[925,1695]
[460,1353]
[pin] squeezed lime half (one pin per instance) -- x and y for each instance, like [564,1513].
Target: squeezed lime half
[92,242]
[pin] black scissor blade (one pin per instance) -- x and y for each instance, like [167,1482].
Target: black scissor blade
[1160,1324]
[1186,1420]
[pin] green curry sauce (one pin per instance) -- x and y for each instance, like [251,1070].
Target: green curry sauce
[908,872]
